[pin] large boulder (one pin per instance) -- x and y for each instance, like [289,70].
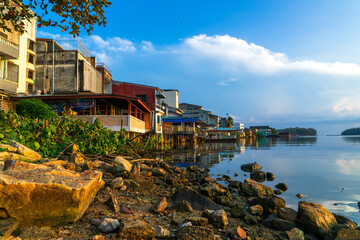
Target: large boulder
[41,195]
[252,188]
[314,218]
[269,204]
[122,164]
[25,151]
[217,218]
[196,200]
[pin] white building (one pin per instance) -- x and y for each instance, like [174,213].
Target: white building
[238,126]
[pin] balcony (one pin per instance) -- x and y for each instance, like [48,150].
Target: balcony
[8,50]
[114,122]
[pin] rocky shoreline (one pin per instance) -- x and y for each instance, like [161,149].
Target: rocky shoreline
[123,198]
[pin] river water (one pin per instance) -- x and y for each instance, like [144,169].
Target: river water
[324,169]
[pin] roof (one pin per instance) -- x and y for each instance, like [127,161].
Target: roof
[260,127]
[114,82]
[190,104]
[179,119]
[222,129]
[96,96]
[165,90]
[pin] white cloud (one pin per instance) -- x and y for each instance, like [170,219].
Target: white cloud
[234,52]
[227,82]
[42,34]
[348,167]
[347,106]
[147,46]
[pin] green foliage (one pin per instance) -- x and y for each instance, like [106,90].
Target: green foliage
[274,131]
[50,137]
[68,15]
[229,122]
[351,131]
[299,131]
[34,108]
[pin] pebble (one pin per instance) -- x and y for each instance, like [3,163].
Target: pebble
[108,225]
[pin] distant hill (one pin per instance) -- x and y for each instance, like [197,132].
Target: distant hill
[299,131]
[351,131]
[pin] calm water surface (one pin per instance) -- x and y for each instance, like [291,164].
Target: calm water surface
[325,169]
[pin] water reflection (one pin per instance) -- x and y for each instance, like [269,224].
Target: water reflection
[352,139]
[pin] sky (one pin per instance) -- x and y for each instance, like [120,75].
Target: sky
[276,62]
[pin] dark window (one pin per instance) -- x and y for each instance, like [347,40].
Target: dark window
[31,58]
[30,87]
[30,74]
[31,45]
[143,98]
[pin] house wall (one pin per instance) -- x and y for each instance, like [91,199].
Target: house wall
[135,90]
[172,98]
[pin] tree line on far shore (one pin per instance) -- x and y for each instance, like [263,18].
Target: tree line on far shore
[299,131]
[351,131]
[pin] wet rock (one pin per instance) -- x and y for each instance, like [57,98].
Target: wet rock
[117,182]
[122,164]
[258,176]
[252,188]
[250,219]
[256,210]
[108,225]
[7,226]
[25,151]
[282,186]
[344,220]
[136,229]
[195,233]
[288,214]
[270,176]
[197,221]
[159,206]
[212,190]
[193,168]
[183,206]
[237,212]
[209,180]
[282,225]
[196,200]
[251,167]
[295,234]
[299,195]
[217,218]
[344,233]
[270,205]
[234,184]
[314,218]
[159,172]
[278,192]
[161,232]
[49,195]
[269,220]
[241,233]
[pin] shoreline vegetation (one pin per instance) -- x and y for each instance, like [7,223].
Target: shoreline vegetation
[85,182]
[351,131]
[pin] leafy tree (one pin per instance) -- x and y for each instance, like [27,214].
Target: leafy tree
[299,131]
[71,14]
[351,131]
[34,109]
[274,131]
[229,122]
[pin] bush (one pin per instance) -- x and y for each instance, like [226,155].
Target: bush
[34,109]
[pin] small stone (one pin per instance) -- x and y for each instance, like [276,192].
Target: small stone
[295,234]
[7,226]
[185,224]
[278,192]
[108,225]
[299,195]
[288,214]
[159,172]
[77,158]
[123,188]
[193,168]
[136,229]
[234,184]
[195,232]
[98,237]
[197,221]
[144,167]
[258,176]
[256,210]
[122,164]
[270,176]
[161,232]
[159,206]
[282,186]
[250,219]
[3,214]
[241,233]
[117,182]
[125,210]
[251,167]
[218,218]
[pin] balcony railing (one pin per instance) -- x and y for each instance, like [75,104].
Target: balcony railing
[8,49]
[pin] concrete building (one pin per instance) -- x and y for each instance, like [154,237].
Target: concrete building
[238,126]
[208,120]
[151,96]
[17,63]
[62,71]
[172,102]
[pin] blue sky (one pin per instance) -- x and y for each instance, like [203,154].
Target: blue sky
[277,62]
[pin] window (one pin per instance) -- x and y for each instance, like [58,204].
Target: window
[143,98]
[30,74]
[30,87]
[31,45]
[31,58]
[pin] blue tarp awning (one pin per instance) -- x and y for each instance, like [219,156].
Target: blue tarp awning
[179,120]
